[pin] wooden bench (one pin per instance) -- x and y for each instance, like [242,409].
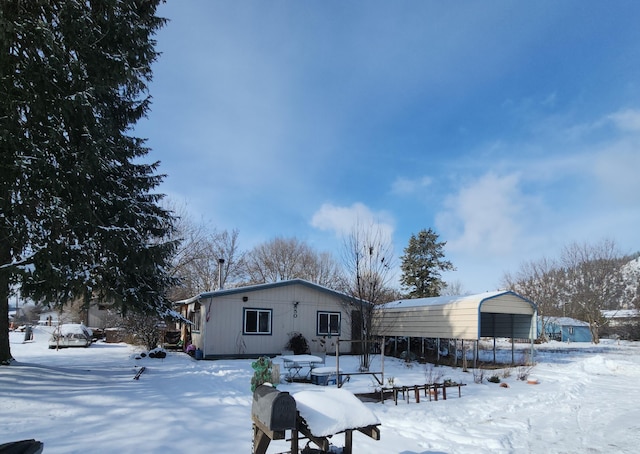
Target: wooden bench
[430,390]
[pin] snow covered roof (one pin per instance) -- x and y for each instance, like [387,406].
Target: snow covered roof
[444,300]
[74,328]
[565,321]
[622,313]
[259,287]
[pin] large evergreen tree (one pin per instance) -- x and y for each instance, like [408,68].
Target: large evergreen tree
[422,264]
[78,217]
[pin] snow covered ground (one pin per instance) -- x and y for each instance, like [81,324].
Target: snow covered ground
[85,400]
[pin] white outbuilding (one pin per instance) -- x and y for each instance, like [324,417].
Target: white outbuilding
[497,314]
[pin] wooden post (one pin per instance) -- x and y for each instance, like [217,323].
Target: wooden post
[348,441]
[260,441]
[338,385]
[444,392]
[382,361]
[417,393]
[294,441]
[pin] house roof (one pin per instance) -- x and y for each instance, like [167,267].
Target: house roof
[259,287]
[622,313]
[565,321]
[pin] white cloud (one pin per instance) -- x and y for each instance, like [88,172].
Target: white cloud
[617,168]
[342,220]
[404,186]
[483,216]
[626,120]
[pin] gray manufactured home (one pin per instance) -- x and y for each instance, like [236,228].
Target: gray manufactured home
[259,320]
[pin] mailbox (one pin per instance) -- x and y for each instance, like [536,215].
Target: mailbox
[275,409]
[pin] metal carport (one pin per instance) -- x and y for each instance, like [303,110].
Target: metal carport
[466,318]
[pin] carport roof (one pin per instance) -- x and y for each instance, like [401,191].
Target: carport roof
[445,300]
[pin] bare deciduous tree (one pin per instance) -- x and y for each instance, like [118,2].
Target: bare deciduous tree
[587,279]
[197,260]
[289,258]
[542,282]
[368,263]
[594,281]
[453,288]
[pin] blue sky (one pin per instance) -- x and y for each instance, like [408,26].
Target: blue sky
[510,128]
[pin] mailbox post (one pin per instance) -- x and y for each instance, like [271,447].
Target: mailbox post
[273,412]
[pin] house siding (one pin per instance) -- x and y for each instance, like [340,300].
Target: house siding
[565,329]
[224,334]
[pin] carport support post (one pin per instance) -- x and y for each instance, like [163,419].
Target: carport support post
[475,354]
[464,357]
[513,353]
[494,348]
[338,362]
[532,351]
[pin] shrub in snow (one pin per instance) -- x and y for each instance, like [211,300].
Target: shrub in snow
[523,372]
[494,379]
[158,353]
[298,344]
[431,375]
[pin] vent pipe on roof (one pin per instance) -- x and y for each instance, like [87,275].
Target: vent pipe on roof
[220,263]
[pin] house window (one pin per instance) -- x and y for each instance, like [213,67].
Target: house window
[194,317]
[328,324]
[571,330]
[257,321]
